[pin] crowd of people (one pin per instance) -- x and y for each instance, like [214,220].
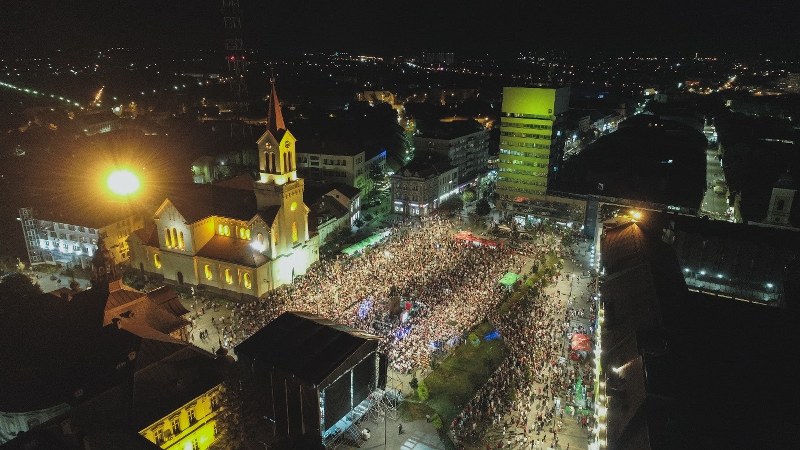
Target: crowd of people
[451,285]
[523,403]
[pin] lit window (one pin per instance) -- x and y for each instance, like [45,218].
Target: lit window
[260,238]
[220,229]
[166,237]
[246,281]
[209,274]
[247,234]
[294,231]
[174,240]
[228,276]
[293,206]
[241,233]
[180,241]
[226,230]
[157,260]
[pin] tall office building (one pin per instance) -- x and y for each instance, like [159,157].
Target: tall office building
[529,141]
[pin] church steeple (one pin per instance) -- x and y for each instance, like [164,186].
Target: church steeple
[275,116]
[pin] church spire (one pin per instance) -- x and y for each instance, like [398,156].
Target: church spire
[275,116]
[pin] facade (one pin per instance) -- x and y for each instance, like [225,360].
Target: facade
[237,236]
[530,138]
[191,426]
[59,239]
[337,208]
[339,162]
[423,184]
[465,144]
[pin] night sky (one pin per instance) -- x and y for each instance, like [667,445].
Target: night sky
[497,27]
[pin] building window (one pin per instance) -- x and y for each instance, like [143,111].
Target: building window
[166,238]
[294,231]
[176,424]
[207,270]
[192,418]
[174,237]
[248,283]
[157,260]
[180,241]
[158,434]
[260,238]
[226,230]
[228,276]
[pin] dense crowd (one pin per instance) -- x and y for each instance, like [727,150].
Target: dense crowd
[452,285]
[522,404]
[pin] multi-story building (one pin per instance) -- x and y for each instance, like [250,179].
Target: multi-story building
[65,235]
[237,236]
[530,141]
[464,143]
[423,184]
[339,162]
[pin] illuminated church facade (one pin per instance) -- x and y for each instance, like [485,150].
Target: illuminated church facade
[241,236]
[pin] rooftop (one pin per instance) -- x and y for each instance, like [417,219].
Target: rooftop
[308,346]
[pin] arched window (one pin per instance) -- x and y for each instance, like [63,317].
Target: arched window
[174,237]
[228,276]
[246,281]
[166,238]
[220,229]
[181,244]
[209,274]
[247,233]
[260,238]
[294,231]
[157,260]
[226,230]
[272,167]
[241,233]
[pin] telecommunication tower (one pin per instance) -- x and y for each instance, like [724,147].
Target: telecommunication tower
[234,47]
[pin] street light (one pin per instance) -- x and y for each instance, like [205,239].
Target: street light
[636,215]
[123,182]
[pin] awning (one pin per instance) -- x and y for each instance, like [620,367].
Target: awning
[509,279]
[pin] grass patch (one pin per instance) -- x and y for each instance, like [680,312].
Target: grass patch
[454,382]
[410,411]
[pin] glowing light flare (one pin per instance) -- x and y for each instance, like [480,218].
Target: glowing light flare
[123,182]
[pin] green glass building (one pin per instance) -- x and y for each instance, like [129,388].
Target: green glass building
[529,141]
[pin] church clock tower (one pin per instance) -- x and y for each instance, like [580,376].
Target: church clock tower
[279,191]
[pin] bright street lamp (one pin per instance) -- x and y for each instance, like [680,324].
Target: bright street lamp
[123,182]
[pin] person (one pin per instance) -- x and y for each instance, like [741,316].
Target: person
[400,428]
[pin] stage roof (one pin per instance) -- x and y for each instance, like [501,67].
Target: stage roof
[308,346]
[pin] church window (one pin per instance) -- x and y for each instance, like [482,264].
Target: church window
[272,162]
[294,231]
[228,276]
[226,230]
[174,237]
[209,274]
[220,229]
[157,260]
[166,238]
[248,283]
[180,241]
[293,206]
[247,233]
[241,233]
[260,238]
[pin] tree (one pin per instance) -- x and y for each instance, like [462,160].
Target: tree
[422,391]
[469,195]
[242,419]
[18,286]
[482,208]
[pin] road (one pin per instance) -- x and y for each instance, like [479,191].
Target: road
[714,205]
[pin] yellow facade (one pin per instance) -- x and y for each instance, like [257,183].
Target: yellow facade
[191,427]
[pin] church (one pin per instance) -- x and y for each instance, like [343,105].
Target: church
[242,236]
